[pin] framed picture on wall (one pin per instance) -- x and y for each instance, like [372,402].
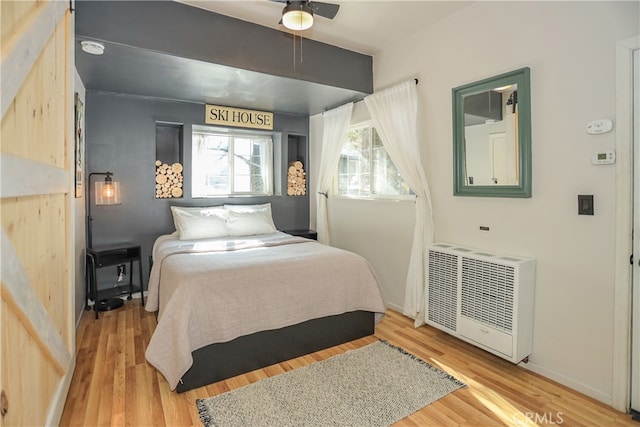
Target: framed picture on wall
[79,146]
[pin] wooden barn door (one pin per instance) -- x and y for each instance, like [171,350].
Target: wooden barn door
[36,180]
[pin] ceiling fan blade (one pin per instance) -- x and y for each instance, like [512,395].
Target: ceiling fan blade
[327,10]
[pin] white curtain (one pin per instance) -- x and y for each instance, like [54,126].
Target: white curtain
[335,126]
[394,114]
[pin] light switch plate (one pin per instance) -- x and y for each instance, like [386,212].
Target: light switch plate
[585,204]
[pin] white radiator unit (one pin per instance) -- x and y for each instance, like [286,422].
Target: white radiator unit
[483,298]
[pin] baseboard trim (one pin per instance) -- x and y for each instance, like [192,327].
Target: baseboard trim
[394,307]
[575,385]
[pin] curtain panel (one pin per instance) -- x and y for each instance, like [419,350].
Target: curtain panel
[335,124]
[394,114]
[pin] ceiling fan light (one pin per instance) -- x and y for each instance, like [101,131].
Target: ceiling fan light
[297,17]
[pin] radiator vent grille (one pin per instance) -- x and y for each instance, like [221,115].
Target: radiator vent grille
[443,284]
[487,293]
[483,298]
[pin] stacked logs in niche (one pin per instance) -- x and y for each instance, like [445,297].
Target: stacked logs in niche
[168,180]
[296,181]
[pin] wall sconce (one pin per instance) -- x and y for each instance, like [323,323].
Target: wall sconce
[513,100]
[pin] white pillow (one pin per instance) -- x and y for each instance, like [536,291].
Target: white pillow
[263,209]
[250,222]
[200,223]
[248,208]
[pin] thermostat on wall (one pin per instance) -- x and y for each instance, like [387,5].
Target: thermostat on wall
[607,157]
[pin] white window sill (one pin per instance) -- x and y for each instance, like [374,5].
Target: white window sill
[406,199]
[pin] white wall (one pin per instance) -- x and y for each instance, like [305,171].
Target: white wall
[570,48]
[80,221]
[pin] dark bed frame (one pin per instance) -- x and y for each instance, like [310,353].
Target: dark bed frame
[217,362]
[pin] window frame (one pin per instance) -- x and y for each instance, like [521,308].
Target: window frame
[233,133]
[335,192]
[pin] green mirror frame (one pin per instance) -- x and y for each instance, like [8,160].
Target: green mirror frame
[521,77]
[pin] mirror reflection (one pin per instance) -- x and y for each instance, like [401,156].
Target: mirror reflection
[491,136]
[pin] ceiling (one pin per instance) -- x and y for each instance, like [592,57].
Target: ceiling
[365,26]
[360,26]
[129,70]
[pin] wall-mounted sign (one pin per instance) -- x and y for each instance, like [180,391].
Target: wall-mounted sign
[227,116]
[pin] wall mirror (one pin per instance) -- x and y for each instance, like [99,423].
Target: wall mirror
[492,136]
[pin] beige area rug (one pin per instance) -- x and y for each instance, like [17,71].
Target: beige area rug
[375,385]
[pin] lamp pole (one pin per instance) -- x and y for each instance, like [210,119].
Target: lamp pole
[91,256]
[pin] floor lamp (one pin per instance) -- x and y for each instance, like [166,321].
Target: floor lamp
[107,193]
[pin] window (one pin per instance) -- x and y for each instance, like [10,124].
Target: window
[365,169]
[231,163]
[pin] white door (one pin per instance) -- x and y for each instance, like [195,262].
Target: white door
[635,331]
[499,158]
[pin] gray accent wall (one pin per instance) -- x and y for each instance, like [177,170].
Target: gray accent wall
[163,61]
[121,138]
[188,32]
[174,51]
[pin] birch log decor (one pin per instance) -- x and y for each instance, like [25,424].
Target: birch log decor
[296,181]
[168,180]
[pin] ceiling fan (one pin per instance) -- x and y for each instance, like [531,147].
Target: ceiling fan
[298,15]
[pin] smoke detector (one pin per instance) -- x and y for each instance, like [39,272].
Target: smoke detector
[93,48]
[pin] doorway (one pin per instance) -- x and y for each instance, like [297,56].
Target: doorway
[635,310]
[622,331]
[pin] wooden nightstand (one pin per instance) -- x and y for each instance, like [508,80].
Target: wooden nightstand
[110,255]
[309,234]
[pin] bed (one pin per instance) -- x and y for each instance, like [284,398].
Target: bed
[244,297]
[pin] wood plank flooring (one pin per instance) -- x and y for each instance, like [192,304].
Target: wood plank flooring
[114,385]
